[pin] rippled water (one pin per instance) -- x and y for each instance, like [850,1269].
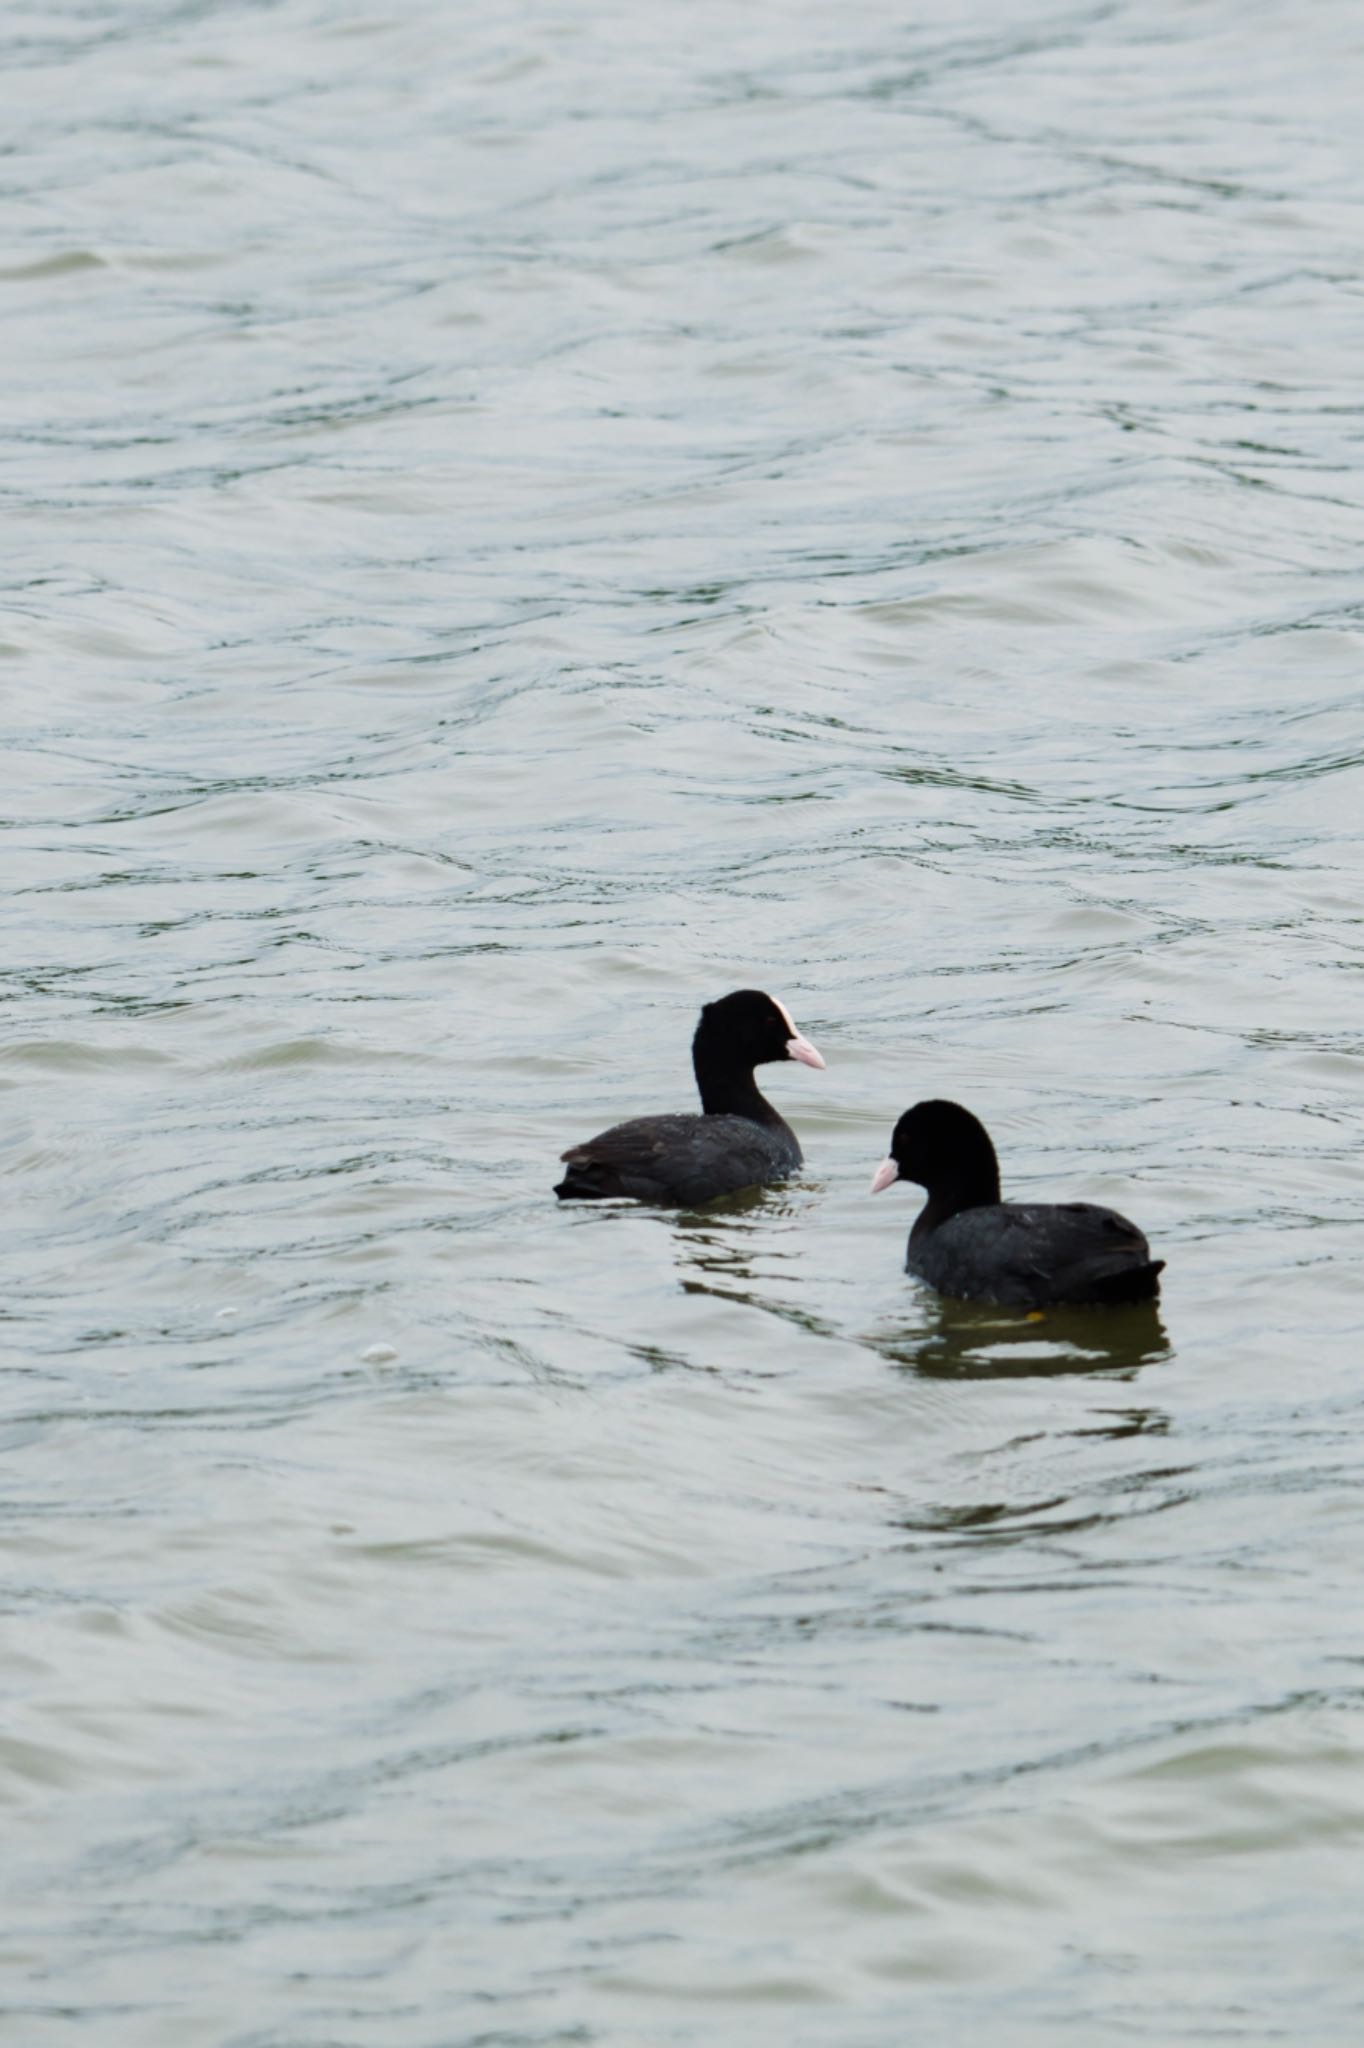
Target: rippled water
[522,519]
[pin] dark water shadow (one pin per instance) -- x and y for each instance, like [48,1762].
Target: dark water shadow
[961,1340]
[716,1248]
[708,1225]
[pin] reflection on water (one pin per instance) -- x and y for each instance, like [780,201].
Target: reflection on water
[748,1249]
[524,517]
[978,1340]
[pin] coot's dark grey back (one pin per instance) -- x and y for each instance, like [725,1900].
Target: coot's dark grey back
[682,1161]
[1030,1254]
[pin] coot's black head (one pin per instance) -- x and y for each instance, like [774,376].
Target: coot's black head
[749,1029]
[945,1149]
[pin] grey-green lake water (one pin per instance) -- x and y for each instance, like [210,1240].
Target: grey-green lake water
[522,518]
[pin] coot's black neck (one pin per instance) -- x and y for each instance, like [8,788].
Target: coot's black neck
[969,1181]
[726,1082]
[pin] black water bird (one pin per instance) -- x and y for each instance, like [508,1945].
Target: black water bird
[738,1140]
[969,1244]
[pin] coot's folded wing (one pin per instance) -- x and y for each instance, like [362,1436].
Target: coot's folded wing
[680,1160]
[1026,1254]
[1094,1254]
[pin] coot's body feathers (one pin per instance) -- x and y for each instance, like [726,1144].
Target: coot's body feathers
[683,1160]
[738,1140]
[969,1244]
[1030,1254]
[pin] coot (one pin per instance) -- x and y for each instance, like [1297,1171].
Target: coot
[967,1243]
[739,1140]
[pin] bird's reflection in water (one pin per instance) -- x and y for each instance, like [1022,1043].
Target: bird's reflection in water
[980,1340]
[715,1223]
[722,1237]
[719,1247]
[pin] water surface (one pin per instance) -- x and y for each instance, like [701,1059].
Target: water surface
[523,518]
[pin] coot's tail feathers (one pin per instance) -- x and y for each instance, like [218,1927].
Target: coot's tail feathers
[1126,1283]
[585,1180]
